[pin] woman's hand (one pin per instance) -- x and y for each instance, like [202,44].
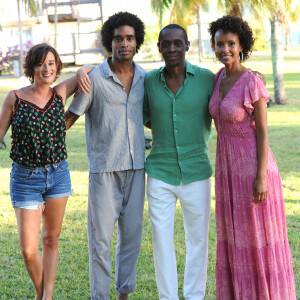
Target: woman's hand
[260,190]
[83,81]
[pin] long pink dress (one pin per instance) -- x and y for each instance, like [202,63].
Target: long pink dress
[253,254]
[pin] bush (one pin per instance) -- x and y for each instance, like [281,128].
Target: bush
[7,58]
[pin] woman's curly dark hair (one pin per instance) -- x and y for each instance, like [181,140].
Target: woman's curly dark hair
[120,19]
[36,55]
[235,25]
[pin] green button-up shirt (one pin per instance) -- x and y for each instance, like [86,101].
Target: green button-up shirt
[181,126]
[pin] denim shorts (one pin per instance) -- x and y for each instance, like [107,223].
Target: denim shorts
[29,186]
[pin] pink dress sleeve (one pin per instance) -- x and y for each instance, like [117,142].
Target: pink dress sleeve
[254,91]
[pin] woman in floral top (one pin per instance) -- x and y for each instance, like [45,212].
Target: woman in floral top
[40,180]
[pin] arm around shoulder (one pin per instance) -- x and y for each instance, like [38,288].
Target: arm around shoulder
[6,113]
[71,118]
[80,82]
[79,105]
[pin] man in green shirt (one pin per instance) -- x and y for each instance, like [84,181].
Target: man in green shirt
[176,109]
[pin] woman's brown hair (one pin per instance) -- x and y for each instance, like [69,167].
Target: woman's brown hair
[36,55]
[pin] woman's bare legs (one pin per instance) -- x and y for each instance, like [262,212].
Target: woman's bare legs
[52,222]
[29,222]
[42,271]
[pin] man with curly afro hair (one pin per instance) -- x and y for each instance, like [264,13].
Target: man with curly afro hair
[120,19]
[116,153]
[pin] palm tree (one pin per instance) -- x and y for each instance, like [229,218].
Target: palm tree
[183,13]
[293,16]
[55,23]
[159,7]
[200,42]
[279,12]
[30,6]
[232,7]
[277,57]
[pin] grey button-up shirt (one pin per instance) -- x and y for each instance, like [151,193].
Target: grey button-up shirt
[113,120]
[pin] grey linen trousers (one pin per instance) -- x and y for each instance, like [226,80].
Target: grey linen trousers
[114,197]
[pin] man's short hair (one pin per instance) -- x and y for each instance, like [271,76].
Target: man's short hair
[121,19]
[174,26]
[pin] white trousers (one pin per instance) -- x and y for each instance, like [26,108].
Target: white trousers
[195,204]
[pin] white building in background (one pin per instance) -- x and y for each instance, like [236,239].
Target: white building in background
[9,34]
[77,37]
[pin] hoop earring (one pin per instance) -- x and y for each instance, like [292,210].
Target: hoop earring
[241,56]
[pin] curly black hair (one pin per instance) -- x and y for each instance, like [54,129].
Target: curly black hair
[36,55]
[235,25]
[120,19]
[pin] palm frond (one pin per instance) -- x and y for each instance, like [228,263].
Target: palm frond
[30,6]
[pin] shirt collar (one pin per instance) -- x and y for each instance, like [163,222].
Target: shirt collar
[106,69]
[189,69]
[109,73]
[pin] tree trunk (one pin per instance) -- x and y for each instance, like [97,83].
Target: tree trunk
[200,43]
[55,25]
[20,41]
[235,8]
[277,62]
[160,16]
[287,38]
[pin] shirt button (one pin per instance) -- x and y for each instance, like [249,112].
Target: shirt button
[174,115]
[180,162]
[177,147]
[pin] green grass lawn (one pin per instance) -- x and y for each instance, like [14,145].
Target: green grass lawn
[72,280]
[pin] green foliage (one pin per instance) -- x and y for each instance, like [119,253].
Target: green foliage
[159,7]
[152,33]
[72,280]
[260,43]
[30,6]
[149,50]
[184,12]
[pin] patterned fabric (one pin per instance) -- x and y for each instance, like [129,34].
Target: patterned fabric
[38,134]
[253,255]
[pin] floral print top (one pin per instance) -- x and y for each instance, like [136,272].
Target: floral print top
[38,134]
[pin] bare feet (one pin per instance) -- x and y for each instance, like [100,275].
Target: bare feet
[121,296]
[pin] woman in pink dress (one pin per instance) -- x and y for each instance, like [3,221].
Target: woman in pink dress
[253,254]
